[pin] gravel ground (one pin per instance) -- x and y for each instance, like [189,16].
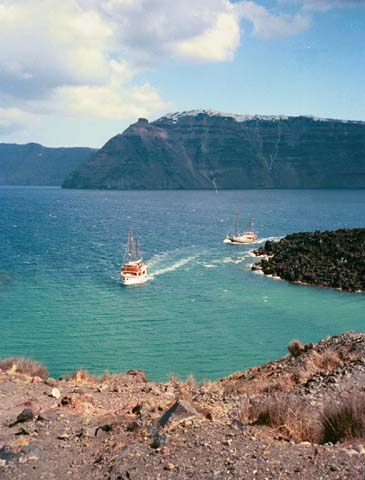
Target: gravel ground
[124,427]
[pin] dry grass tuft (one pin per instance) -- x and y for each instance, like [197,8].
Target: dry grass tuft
[313,362]
[211,387]
[296,348]
[284,383]
[183,389]
[190,380]
[25,366]
[262,384]
[328,360]
[83,376]
[344,421]
[244,415]
[288,415]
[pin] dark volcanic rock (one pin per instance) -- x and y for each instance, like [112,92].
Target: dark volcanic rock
[24,416]
[207,150]
[33,164]
[330,259]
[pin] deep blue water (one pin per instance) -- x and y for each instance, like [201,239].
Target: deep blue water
[204,312]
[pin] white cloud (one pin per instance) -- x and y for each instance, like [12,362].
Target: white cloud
[15,119]
[83,58]
[217,43]
[148,29]
[47,44]
[268,25]
[112,101]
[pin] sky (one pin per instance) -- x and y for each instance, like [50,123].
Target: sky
[77,72]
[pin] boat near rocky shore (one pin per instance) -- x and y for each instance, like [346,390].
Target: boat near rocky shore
[334,259]
[302,416]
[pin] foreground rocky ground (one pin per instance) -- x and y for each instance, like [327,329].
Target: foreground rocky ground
[299,417]
[330,259]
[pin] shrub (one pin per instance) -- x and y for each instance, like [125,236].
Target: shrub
[271,412]
[25,366]
[296,348]
[183,389]
[83,376]
[288,415]
[344,421]
[328,360]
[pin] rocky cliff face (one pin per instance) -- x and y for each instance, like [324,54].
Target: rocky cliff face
[207,150]
[33,164]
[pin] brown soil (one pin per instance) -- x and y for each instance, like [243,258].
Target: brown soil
[264,423]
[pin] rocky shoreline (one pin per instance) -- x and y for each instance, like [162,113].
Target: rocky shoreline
[302,416]
[333,259]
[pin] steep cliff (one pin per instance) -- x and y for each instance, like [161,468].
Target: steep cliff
[204,150]
[33,164]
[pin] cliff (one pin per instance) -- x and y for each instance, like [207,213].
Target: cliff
[207,150]
[299,417]
[33,164]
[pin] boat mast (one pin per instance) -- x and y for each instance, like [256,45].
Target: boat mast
[137,246]
[237,215]
[129,245]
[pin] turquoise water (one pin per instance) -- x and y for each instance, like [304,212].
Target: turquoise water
[203,312]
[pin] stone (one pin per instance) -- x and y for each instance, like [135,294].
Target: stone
[66,401]
[133,426]
[103,428]
[333,467]
[55,393]
[8,454]
[24,416]
[140,374]
[159,440]
[52,382]
[237,425]
[181,411]
[37,380]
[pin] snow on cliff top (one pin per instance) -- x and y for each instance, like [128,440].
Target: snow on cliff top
[243,118]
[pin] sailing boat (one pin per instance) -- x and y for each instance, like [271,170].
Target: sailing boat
[249,236]
[134,270]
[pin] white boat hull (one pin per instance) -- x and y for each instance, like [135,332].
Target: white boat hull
[239,240]
[133,280]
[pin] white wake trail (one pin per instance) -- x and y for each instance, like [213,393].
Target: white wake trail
[158,258]
[273,239]
[173,267]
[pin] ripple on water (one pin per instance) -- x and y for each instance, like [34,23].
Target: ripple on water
[204,312]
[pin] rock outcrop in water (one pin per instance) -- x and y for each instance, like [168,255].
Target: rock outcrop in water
[296,418]
[208,150]
[330,259]
[33,164]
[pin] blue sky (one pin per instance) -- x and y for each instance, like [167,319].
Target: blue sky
[80,71]
[320,71]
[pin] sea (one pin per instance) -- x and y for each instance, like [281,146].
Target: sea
[202,312]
